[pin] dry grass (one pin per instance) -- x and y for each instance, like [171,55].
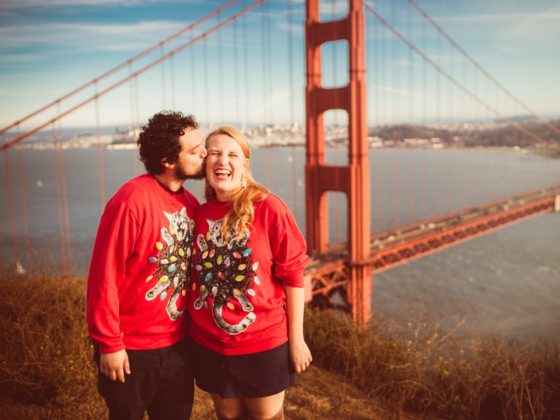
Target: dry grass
[47,371]
[417,369]
[46,367]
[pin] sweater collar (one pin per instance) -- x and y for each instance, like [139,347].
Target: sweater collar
[166,188]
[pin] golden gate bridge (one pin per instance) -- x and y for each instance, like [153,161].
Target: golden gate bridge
[358,101]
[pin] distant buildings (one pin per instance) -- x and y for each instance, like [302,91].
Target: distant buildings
[458,134]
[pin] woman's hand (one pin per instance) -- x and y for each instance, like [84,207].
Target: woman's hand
[300,354]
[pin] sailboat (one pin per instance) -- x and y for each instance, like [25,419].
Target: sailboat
[19,268]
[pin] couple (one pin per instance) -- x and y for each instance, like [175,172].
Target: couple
[177,289]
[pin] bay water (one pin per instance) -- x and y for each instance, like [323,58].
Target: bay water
[507,282]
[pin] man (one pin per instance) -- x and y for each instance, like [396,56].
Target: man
[136,284]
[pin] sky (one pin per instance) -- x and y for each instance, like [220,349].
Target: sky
[253,71]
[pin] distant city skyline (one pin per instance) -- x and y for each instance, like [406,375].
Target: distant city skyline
[242,73]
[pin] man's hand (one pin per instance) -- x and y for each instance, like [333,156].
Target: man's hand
[114,365]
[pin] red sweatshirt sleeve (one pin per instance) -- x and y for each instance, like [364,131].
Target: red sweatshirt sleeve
[114,244]
[287,243]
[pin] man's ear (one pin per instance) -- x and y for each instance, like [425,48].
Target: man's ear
[165,163]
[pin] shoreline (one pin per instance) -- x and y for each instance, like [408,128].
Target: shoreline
[550,153]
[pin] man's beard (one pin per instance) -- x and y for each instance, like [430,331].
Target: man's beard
[181,174]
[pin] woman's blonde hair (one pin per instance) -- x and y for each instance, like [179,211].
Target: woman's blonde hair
[242,212]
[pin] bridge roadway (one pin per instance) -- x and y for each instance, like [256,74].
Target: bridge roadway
[328,272]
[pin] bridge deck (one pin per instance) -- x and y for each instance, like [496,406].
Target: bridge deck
[390,248]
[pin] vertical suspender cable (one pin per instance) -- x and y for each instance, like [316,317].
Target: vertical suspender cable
[138,116]
[236,74]
[66,218]
[205,77]
[425,103]
[382,122]
[133,120]
[220,96]
[410,168]
[163,85]
[62,197]
[438,174]
[100,160]
[59,205]
[448,180]
[246,71]
[264,69]
[369,38]
[289,16]
[172,77]
[268,75]
[265,73]
[137,99]
[394,117]
[24,204]
[194,98]
[66,251]
[11,211]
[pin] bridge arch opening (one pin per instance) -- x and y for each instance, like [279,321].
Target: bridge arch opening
[334,59]
[335,128]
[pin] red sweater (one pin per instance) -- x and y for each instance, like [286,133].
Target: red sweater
[236,300]
[135,296]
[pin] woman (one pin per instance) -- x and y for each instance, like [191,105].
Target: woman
[246,297]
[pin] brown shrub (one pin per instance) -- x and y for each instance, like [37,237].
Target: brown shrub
[46,367]
[417,368]
[43,341]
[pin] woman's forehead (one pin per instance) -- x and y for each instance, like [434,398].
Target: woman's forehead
[223,141]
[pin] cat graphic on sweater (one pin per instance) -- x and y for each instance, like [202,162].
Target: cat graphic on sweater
[225,273]
[173,261]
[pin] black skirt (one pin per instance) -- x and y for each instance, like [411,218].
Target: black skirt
[254,375]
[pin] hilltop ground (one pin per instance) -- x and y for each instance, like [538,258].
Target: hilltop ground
[317,395]
[46,368]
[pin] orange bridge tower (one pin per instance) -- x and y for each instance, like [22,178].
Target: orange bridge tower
[354,178]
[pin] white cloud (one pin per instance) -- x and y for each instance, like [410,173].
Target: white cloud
[18,58]
[519,29]
[21,4]
[396,91]
[88,36]
[295,28]
[338,8]
[541,28]
[552,14]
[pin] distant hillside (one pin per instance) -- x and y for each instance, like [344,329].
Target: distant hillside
[477,134]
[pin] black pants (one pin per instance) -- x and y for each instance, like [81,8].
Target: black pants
[160,382]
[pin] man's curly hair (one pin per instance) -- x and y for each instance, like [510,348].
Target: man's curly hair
[159,139]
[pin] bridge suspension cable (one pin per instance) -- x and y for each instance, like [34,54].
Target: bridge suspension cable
[479,67]
[120,66]
[448,76]
[135,74]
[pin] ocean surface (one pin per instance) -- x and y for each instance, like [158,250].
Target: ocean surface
[507,282]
